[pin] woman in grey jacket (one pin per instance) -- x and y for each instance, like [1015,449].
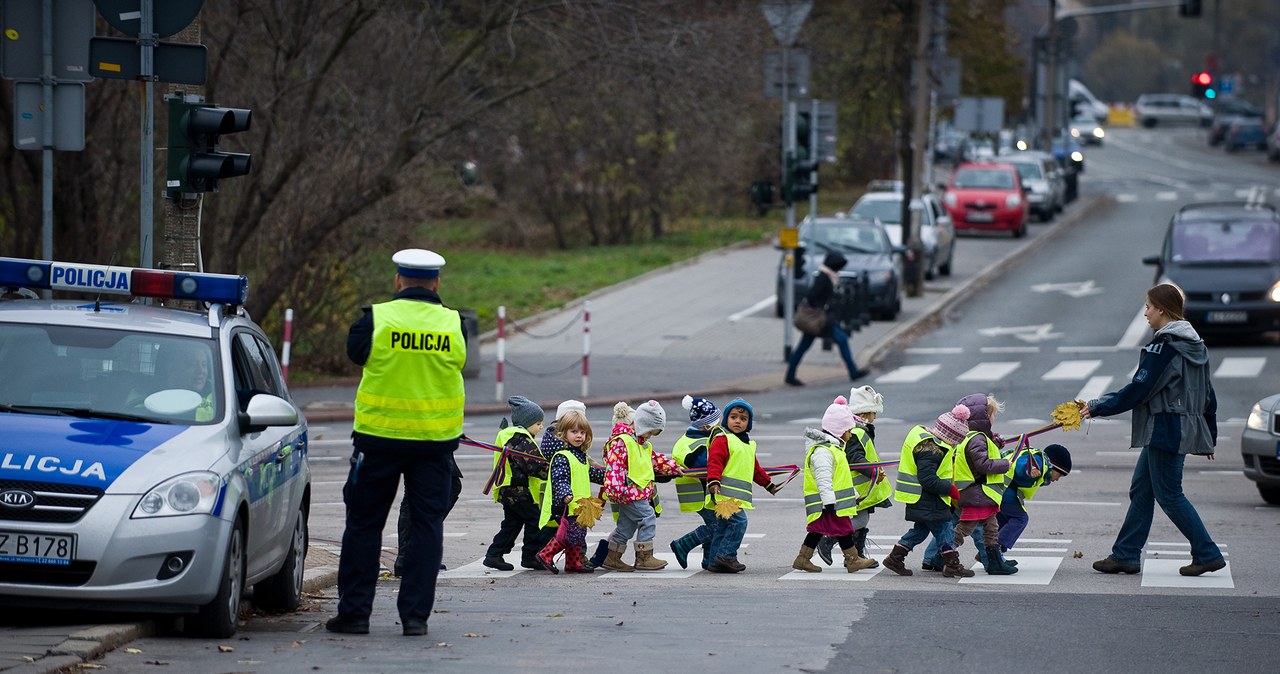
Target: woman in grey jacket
[1174,414]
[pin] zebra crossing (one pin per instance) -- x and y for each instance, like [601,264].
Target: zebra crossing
[1251,194]
[1039,563]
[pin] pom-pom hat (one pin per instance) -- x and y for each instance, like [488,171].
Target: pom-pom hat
[650,417]
[417,263]
[951,427]
[702,412]
[838,419]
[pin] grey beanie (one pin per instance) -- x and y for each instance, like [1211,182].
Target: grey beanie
[524,412]
[650,417]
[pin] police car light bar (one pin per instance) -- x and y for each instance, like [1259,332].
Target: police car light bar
[95,278]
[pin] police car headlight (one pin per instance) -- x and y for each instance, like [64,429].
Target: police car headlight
[1257,419]
[193,493]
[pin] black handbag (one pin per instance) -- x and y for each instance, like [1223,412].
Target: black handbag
[810,320]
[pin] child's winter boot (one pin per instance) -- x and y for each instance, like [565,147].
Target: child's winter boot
[825,544]
[897,561]
[682,546]
[602,549]
[645,561]
[951,566]
[575,561]
[853,562]
[613,561]
[804,561]
[996,566]
[547,558]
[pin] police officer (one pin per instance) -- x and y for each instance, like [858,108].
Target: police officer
[408,418]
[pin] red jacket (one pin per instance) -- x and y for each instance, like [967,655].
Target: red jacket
[718,455]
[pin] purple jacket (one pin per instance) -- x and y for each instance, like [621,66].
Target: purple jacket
[976,452]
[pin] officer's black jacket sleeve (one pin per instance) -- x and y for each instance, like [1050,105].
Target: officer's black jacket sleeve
[360,338]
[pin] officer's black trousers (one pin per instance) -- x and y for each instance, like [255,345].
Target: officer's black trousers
[369,493]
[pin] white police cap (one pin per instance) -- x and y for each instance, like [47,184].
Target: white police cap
[417,263]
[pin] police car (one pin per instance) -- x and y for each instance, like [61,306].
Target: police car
[151,458]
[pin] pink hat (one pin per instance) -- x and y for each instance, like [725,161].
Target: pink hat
[838,418]
[952,426]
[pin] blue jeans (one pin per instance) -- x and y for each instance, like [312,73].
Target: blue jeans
[634,519]
[941,530]
[842,342]
[1157,478]
[727,535]
[948,536]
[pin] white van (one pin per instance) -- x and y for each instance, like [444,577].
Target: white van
[1084,102]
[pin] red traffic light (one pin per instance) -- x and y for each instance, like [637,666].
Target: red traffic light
[1202,78]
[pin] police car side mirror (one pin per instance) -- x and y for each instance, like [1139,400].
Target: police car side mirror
[266,410]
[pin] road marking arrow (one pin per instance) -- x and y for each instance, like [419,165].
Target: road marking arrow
[1080,289]
[1027,333]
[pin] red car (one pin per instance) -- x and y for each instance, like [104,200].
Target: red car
[987,196]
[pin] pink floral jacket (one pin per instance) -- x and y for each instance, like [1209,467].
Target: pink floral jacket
[616,487]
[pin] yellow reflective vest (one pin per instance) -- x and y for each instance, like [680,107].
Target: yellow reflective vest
[908,482]
[841,482]
[870,492]
[1025,493]
[504,436]
[955,467]
[639,468]
[738,474]
[690,491]
[579,484]
[411,387]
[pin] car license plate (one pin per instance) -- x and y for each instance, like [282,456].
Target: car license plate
[980,217]
[55,549]
[1226,317]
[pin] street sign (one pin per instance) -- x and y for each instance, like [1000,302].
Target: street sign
[29,112]
[797,75]
[946,75]
[167,16]
[789,237]
[22,46]
[981,114]
[120,58]
[786,18]
[827,119]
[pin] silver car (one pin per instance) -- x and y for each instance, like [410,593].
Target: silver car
[151,458]
[937,233]
[1039,174]
[1260,447]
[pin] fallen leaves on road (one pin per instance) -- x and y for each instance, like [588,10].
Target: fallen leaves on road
[133,651]
[473,635]
[225,649]
[1078,555]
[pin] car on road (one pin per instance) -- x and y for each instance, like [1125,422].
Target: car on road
[937,233]
[152,458]
[987,196]
[1260,447]
[1041,176]
[871,257]
[1153,109]
[1273,143]
[1244,132]
[1226,259]
[1226,111]
[1087,131]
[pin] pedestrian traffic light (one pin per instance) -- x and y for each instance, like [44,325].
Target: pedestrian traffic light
[801,178]
[1189,8]
[804,136]
[196,163]
[1202,85]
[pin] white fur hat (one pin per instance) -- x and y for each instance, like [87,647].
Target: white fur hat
[865,399]
[570,405]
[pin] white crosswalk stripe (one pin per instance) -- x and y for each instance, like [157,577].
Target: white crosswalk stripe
[908,374]
[1230,367]
[1094,388]
[1072,370]
[992,371]
[1239,368]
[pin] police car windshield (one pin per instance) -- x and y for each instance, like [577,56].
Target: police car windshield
[110,374]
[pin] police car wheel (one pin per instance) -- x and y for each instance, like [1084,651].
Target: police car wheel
[217,619]
[283,591]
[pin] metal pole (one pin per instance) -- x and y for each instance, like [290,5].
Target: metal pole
[932,142]
[914,285]
[786,98]
[46,170]
[146,42]
[586,348]
[288,344]
[1051,78]
[788,274]
[813,146]
[502,349]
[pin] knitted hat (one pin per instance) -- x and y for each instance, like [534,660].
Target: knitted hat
[623,414]
[650,417]
[835,261]
[1059,457]
[525,412]
[739,402]
[702,412]
[863,399]
[838,419]
[952,426]
[570,405]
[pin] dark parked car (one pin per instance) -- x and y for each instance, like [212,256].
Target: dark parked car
[1226,258]
[1260,447]
[1225,112]
[869,252]
[1245,132]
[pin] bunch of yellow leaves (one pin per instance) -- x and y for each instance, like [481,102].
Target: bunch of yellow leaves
[727,507]
[590,509]
[1068,415]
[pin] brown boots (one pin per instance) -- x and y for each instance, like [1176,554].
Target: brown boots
[853,562]
[614,562]
[645,561]
[803,562]
[897,561]
[952,568]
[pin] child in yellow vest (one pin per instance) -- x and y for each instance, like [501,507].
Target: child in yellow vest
[571,475]
[731,469]
[519,487]
[690,451]
[873,487]
[829,496]
[631,470]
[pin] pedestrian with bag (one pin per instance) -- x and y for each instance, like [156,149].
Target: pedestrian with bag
[818,302]
[408,420]
[1174,414]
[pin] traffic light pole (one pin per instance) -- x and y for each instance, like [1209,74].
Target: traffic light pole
[788,276]
[813,148]
[146,41]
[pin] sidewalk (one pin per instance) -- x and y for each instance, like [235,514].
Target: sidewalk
[632,359]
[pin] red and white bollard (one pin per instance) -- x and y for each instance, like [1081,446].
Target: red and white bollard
[288,344]
[502,348]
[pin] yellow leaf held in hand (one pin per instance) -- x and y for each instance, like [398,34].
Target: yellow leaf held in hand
[590,509]
[727,507]
[1067,414]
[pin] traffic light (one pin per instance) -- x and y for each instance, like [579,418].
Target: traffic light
[196,164]
[1189,8]
[800,179]
[1202,85]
